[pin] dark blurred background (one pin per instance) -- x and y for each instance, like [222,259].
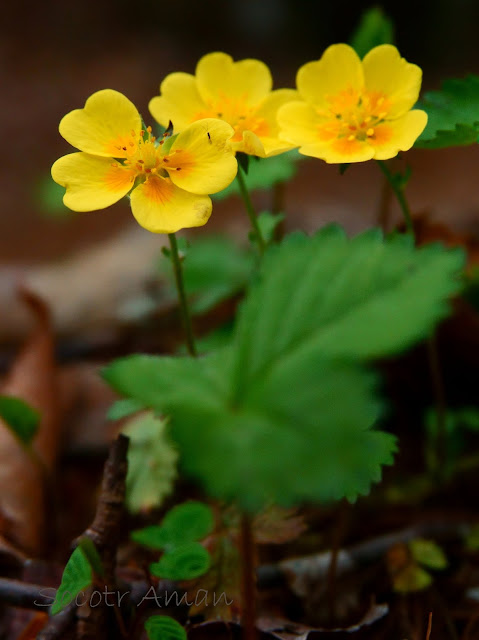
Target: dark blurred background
[54,54]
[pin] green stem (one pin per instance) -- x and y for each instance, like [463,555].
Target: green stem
[180,286]
[250,209]
[433,353]
[399,193]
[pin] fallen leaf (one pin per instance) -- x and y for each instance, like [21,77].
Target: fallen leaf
[23,472]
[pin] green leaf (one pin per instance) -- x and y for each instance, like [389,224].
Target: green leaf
[264,173]
[189,521]
[330,296]
[453,114]
[285,413]
[184,562]
[215,269]
[428,553]
[123,408]
[77,576]
[184,523]
[164,628]
[91,554]
[154,537]
[20,418]
[374,28]
[151,463]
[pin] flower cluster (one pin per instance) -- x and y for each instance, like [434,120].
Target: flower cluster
[344,110]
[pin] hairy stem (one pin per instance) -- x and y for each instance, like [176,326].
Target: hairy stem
[180,287]
[399,193]
[250,209]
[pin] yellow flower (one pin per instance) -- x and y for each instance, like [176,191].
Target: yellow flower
[355,110]
[168,179]
[237,92]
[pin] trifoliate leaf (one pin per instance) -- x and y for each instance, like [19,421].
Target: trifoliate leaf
[154,537]
[189,521]
[20,417]
[164,628]
[453,114]
[184,523]
[151,462]
[215,269]
[374,28]
[123,408]
[284,414]
[184,562]
[264,173]
[428,553]
[77,576]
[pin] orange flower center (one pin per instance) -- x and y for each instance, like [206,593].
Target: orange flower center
[143,156]
[237,113]
[354,115]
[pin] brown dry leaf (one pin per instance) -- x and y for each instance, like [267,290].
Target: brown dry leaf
[278,525]
[91,293]
[23,478]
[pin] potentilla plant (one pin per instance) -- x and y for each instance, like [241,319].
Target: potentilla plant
[287,410]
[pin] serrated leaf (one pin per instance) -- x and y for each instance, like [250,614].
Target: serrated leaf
[154,537]
[123,408]
[164,628]
[374,28]
[331,296]
[184,562]
[187,522]
[77,576]
[20,417]
[151,462]
[428,553]
[285,414]
[453,114]
[264,173]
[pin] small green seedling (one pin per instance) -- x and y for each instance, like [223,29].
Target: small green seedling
[183,558]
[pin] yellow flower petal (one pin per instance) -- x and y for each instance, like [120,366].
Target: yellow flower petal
[403,134]
[339,69]
[268,111]
[179,101]
[161,207]
[250,144]
[339,151]
[386,72]
[203,156]
[299,123]
[91,182]
[248,81]
[104,126]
